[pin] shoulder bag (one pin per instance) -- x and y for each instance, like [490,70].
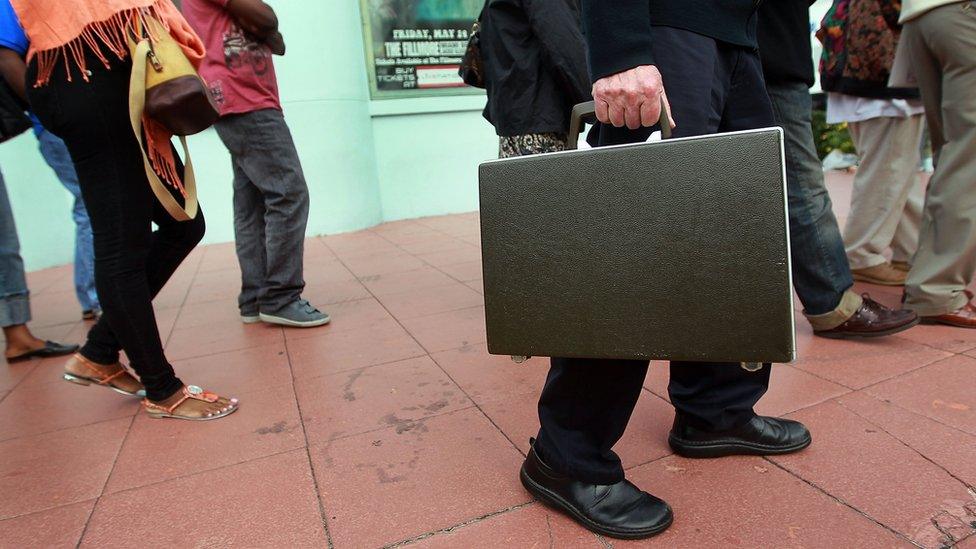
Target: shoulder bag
[166,88]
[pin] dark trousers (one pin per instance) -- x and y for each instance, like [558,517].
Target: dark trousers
[586,403]
[132,262]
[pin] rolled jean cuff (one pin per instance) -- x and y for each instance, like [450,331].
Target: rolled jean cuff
[850,302]
[15,310]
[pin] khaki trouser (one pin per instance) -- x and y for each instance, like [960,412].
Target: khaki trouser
[942,44]
[886,203]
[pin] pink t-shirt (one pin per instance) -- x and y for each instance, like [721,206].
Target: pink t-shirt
[238,68]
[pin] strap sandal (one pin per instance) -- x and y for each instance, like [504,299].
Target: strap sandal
[190,392]
[105,376]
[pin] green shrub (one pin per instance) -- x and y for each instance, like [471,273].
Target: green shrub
[830,136]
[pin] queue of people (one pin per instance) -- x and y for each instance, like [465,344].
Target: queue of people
[715,65]
[87,106]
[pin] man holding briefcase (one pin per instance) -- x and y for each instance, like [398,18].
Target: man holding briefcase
[705,51]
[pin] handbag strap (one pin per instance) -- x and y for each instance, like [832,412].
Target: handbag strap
[137,105]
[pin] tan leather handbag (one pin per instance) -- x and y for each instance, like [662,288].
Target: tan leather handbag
[165,87]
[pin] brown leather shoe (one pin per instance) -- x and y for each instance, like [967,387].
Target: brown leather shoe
[873,320]
[885,274]
[903,266]
[963,318]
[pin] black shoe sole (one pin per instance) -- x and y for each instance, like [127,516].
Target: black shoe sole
[558,503]
[720,448]
[868,335]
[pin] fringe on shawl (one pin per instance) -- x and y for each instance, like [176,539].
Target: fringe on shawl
[112,35]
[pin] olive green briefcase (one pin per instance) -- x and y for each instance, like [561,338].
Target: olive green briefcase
[675,249]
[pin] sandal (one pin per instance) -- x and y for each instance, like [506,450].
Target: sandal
[159,411]
[103,375]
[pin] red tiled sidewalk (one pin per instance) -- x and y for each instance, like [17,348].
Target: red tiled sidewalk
[393,426]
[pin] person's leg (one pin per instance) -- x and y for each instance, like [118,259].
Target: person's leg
[249,219]
[943,47]
[57,157]
[14,296]
[93,120]
[250,239]
[821,274]
[169,245]
[270,161]
[886,176]
[712,396]
[905,242]
[584,410]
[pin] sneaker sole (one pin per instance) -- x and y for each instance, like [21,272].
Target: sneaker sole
[869,335]
[250,319]
[281,321]
[716,449]
[555,501]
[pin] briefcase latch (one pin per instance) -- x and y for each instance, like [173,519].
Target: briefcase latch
[752,366]
[520,359]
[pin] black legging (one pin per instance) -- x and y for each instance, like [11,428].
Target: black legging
[132,262]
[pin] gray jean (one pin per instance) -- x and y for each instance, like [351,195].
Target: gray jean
[14,297]
[270,208]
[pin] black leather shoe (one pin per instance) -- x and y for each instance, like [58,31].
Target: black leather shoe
[761,436]
[617,510]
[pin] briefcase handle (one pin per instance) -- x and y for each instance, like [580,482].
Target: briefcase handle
[586,112]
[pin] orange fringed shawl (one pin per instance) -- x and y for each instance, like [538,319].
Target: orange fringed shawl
[61,30]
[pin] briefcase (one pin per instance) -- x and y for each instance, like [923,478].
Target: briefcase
[675,249]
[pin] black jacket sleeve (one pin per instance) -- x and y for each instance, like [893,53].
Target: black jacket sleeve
[555,25]
[618,33]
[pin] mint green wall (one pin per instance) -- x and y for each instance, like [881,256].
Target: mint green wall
[365,161]
[427,161]
[42,208]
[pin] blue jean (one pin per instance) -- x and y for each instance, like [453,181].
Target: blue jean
[821,273]
[56,155]
[14,297]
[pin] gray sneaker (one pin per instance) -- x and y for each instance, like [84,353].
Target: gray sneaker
[299,314]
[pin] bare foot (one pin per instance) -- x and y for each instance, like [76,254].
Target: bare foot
[21,341]
[192,402]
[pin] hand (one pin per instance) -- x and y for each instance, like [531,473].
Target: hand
[276,42]
[631,98]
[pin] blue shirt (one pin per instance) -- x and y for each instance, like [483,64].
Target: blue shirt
[13,38]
